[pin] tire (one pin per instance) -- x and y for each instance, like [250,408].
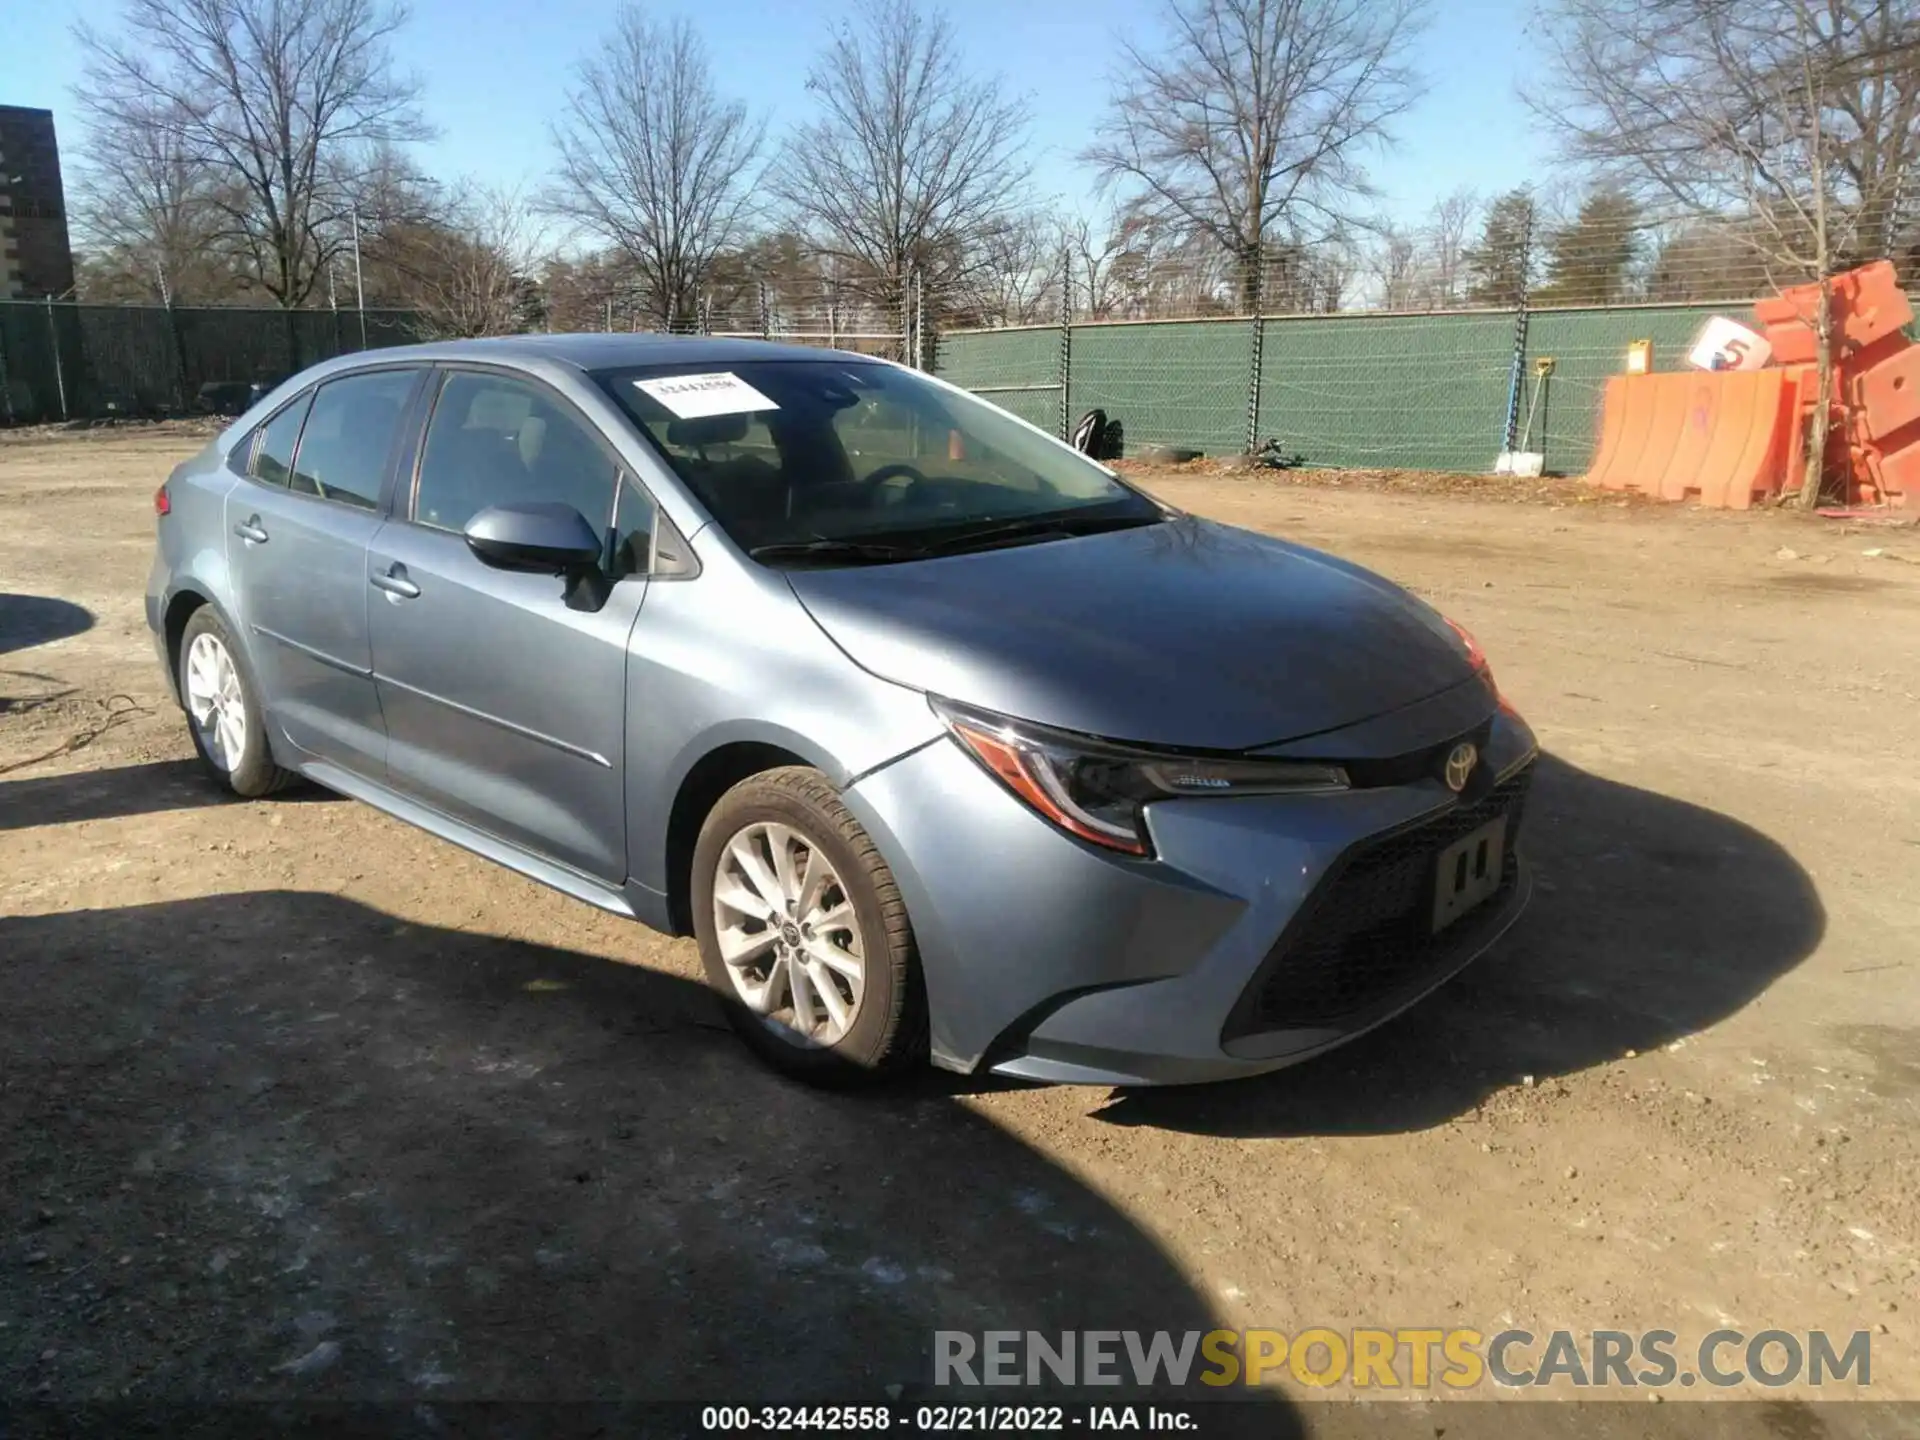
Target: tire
[247,769]
[1169,454]
[1090,432]
[885,1025]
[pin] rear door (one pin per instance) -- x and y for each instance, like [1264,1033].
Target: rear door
[297,533]
[505,705]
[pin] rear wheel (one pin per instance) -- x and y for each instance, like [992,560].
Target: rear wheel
[223,709]
[803,933]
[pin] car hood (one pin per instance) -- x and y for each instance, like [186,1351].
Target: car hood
[1186,634]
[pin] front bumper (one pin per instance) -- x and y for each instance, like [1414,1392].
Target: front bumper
[1049,959]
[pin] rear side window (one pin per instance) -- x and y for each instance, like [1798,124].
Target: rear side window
[495,440]
[273,456]
[348,440]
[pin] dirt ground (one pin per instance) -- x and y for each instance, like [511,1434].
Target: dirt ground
[298,1102]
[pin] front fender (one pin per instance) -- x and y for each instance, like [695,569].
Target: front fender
[733,658]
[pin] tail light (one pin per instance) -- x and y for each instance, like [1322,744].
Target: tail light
[162,502]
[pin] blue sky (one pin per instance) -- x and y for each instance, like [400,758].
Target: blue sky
[494,72]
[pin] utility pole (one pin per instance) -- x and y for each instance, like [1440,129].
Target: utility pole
[173,335]
[1255,289]
[919,319]
[59,370]
[1066,344]
[1516,380]
[359,286]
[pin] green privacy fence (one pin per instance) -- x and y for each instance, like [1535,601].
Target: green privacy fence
[1423,392]
[91,362]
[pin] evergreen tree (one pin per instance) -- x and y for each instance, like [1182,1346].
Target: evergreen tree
[1590,260]
[1499,267]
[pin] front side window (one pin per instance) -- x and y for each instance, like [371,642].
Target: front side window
[273,455]
[633,522]
[496,440]
[814,453]
[348,440]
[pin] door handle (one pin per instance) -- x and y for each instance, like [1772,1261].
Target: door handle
[394,581]
[251,530]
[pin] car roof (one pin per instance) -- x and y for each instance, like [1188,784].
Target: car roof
[593,351]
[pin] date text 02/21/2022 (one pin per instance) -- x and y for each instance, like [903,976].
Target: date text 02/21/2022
[943,1419]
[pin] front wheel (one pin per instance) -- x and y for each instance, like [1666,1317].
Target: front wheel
[803,933]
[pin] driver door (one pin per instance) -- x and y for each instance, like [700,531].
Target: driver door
[506,708]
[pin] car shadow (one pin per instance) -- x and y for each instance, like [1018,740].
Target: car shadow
[28,620]
[143,789]
[283,1146]
[1651,919]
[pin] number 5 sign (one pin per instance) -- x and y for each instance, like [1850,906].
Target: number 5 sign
[1724,344]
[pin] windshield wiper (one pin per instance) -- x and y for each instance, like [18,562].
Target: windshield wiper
[1038,527]
[867,552]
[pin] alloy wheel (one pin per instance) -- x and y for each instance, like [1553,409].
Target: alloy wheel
[788,934]
[215,702]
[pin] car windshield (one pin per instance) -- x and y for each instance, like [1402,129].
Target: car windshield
[838,462]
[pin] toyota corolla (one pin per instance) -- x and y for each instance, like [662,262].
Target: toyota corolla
[943,740]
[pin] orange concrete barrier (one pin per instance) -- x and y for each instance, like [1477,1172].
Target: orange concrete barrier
[1722,438]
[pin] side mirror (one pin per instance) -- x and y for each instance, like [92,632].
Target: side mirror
[540,536]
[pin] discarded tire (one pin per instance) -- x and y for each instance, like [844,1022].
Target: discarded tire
[1169,454]
[1090,434]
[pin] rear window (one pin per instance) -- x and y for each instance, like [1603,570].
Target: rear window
[348,439]
[273,455]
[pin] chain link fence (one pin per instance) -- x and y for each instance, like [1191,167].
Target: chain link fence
[63,362]
[1362,390]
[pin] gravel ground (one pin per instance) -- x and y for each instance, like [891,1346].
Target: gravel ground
[299,1103]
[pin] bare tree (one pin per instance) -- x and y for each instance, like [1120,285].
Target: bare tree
[1790,123]
[653,161]
[911,160]
[143,208]
[277,99]
[469,270]
[1015,274]
[1392,265]
[1445,237]
[1091,253]
[1251,117]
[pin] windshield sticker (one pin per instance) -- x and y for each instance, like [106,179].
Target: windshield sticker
[693,397]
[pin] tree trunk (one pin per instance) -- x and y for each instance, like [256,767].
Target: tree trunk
[1816,453]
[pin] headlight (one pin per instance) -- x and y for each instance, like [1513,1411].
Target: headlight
[1476,657]
[1097,791]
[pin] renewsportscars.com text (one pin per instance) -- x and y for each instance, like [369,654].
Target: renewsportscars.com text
[1409,1358]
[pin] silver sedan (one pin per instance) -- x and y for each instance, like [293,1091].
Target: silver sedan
[943,740]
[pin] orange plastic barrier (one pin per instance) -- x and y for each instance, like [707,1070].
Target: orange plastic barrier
[1887,396]
[1724,439]
[1729,437]
[1868,309]
[1893,478]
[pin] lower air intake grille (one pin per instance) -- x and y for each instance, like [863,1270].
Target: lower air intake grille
[1365,937]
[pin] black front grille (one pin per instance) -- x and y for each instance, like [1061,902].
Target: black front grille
[1365,936]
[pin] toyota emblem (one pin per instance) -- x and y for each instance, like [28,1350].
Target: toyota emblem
[1460,762]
